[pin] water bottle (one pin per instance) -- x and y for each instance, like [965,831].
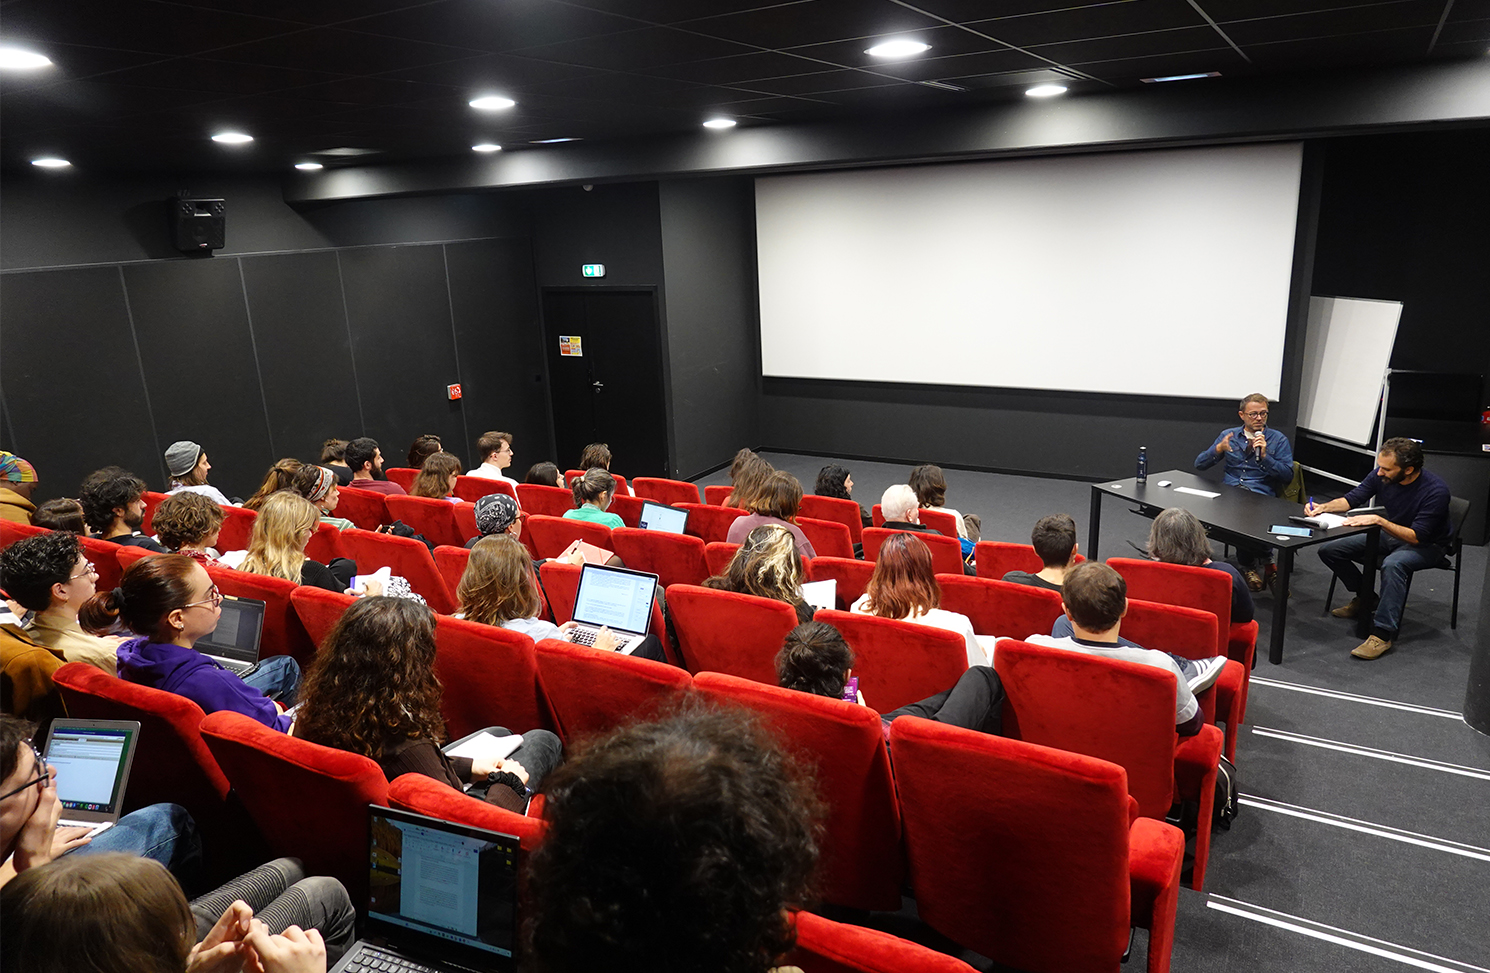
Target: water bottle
[1143,465]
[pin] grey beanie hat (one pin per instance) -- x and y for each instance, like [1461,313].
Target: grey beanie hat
[182,457]
[495,512]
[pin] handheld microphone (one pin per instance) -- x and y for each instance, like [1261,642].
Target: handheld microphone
[1258,441]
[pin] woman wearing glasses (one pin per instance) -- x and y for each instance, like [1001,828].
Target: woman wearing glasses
[169,601]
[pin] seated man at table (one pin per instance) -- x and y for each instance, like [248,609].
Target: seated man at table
[1258,459]
[1054,539]
[1415,532]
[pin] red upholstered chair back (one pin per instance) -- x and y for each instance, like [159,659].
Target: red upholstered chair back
[551,535]
[876,516]
[309,801]
[437,799]
[851,574]
[946,552]
[665,491]
[561,584]
[997,558]
[940,520]
[12,531]
[595,692]
[1016,851]
[720,631]
[1000,608]
[283,632]
[237,528]
[105,558]
[825,946]
[491,678]
[899,663]
[404,476]
[718,493]
[536,498]
[473,488]
[674,558]
[1180,584]
[1117,711]
[152,500]
[1187,632]
[827,537]
[836,509]
[451,562]
[718,554]
[710,523]
[629,509]
[324,545]
[433,518]
[465,520]
[319,610]
[844,744]
[365,508]
[403,556]
[125,556]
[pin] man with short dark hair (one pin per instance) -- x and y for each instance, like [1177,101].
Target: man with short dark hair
[1054,540]
[114,506]
[334,458]
[1415,533]
[51,575]
[495,450]
[366,462]
[1259,459]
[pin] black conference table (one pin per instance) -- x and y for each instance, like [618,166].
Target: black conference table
[1234,516]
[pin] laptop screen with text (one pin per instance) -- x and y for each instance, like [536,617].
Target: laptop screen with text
[91,763]
[614,597]
[656,516]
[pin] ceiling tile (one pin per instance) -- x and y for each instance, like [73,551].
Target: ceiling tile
[1129,69]
[740,67]
[674,11]
[637,49]
[494,26]
[964,65]
[491,72]
[341,52]
[944,41]
[152,26]
[814,22]
[1131,45]
[1105,20]
[806,84]
[319,12]
[1469,10]
[1377,47]
[209,75]
[1011,79]
[1226,11]
[1468,31]
[1386,16]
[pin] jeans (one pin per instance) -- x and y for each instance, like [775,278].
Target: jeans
[1400,561]
[975,702]
[277,677]
[281,895]
[160,832]
[540,753]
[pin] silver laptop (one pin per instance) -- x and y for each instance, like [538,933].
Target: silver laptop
[618,599]
[92,758]
[234,644]
[442,897]
[657,516]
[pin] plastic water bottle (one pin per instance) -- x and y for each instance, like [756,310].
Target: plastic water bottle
[1143,465]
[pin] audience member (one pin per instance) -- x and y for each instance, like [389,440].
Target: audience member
[187,464]
[26,668]
[495,450]
[371,689]
[276,546]
[593,455]
[1054,540]
[50,575]
[746,476]
[436,479]
[1178,537]
[114,506]
[60,513]
[496,513]
[318,484]
[930,485]
[835,481]
[17,483]
[545,474]
[366,461]
[904,587]
[281,476]
[777,502]
[189,523]
[767,565]
[705,812]
[592,494]
[170,601]
[334,458]
[902,511]
[1260,460]
[422,449]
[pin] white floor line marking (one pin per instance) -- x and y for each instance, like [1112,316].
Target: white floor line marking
[1398,758]
[1308,927]
[1355,698]
[1368,827]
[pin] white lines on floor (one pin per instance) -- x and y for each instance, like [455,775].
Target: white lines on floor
[1355,698]
[1367,827]
[1341,937]
[1398,758]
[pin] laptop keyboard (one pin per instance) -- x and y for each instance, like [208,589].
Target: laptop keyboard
[370,959]
[239,669]
[584,636]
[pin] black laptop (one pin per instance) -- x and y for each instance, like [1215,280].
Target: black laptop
[234,644]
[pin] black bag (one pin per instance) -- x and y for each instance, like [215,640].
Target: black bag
[400,529]
[1228,791]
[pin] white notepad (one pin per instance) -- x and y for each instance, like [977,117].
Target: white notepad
[487,746]
[1199,493]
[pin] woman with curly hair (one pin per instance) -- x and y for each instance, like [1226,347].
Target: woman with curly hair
[188,523]
[276,546]
[281,476]
[836,481]
[904,587]
[371,689]
[766,565]
[436,479]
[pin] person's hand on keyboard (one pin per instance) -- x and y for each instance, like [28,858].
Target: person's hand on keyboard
[606,641]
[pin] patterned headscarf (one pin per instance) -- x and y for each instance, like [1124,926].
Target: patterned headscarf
[325,479]
[13,469]
[495,513]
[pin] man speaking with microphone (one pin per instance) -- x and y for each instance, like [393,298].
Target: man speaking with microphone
[1258,459]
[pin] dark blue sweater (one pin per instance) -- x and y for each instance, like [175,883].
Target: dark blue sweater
[1422,504]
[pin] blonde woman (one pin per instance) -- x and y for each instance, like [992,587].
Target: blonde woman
[436,479]
[767,565]
[276,547]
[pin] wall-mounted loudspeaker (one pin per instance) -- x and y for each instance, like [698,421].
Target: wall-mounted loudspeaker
[197,225]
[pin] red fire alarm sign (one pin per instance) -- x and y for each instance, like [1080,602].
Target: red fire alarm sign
[452,392]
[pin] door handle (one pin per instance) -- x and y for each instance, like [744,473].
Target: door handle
[597,385]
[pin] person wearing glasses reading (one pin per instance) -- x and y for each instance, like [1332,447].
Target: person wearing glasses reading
[1258,459]
[170,602]
[49,574]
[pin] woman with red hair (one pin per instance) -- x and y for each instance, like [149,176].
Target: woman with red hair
[904,588]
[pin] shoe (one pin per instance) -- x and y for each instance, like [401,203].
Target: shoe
[1373,648]
[1205,673]
[1350,610]
[1270,576]
[1253,579]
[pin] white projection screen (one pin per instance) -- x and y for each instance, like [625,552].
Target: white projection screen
[1147,273]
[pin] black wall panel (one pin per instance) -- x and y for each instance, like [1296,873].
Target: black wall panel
[70,378]
[305,353]
[616,225]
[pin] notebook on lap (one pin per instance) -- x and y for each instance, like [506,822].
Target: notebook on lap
[234,644]
[618,599]
[442,897]
[93,758]
[657,516]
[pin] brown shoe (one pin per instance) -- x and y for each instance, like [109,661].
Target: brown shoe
[1350,610]
[1373,648]
[1253,579]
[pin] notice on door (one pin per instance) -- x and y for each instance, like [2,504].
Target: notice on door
[569,346]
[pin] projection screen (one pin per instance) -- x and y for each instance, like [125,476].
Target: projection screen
[1149,273]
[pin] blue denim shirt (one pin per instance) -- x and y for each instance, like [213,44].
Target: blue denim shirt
[1242,468]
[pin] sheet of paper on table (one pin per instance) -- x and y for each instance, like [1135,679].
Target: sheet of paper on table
[1199,493]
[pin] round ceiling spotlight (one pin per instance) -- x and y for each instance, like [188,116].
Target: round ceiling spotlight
[1046,90]
[20,59]
[232,138]
[486,147]
[492,103]
[51,162]
[720,123]
[898,47]
[309,166]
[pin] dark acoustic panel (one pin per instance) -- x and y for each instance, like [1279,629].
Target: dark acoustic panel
[399,310]
[199,366]
[300,327]
[500,339]
[70,378]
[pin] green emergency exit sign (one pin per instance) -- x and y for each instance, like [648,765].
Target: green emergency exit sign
[592,270]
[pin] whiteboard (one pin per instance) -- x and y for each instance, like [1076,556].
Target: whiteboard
[1347,348]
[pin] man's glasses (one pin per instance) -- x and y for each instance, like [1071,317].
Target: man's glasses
[1255,415]
[41,778]
[88,568]
[214,598]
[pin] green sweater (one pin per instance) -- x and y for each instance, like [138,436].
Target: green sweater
[595,516]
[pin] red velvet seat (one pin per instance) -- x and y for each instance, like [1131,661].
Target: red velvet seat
[283,632]
[437,799]
[549,501]
[876,516]
[718,493]
[465,520]
[553,535]
[845,512]
[851,574]
[403,556]
[665,491]
[1000,608]
[897,662]
[308,801]
[404,476]
[560,584]
[125,556]
[710,523]
[237,528]
[473,488]
[1117,711]
[674,558]
[629,509]
[827,537]
[718,554]
[594,692]
[621,489]
[366,509]
[451,562]
[105,558]
[1191,633]
[12,531]
[490,678]
[720,631]
[997,558]
[324,545]
[946,552]
[825,946]
[435,519]
[1030,855]
[319,610]
[152,500]
[844,745]
[940,520]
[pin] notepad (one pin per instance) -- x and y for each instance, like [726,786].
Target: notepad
[1199,493]
[1327,521]
[486,745]
[821,594]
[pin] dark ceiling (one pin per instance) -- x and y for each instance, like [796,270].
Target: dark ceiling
[140,84]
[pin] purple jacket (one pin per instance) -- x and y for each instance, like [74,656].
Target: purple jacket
[189,673]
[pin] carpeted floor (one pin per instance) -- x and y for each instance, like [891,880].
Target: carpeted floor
[1363,843]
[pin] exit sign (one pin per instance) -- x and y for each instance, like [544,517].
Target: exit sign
[592,270]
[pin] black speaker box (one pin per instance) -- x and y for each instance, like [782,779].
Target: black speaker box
[198,225]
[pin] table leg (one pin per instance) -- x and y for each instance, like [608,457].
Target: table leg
[1365,619]
[1094,525]
[1280,604]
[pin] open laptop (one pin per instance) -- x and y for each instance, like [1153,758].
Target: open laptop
[92,758]
[442,897]
[657,516]
[234,644]
[619,599]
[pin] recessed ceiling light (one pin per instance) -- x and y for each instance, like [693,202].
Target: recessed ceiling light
[309,166]
[898,47]
[552,141]
[1046,90]
[492,102]
[1182,77]
[51,163]
[486,147]
[720,123]
[232,138]
[19,59]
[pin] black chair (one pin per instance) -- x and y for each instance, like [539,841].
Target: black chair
[1453,560]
